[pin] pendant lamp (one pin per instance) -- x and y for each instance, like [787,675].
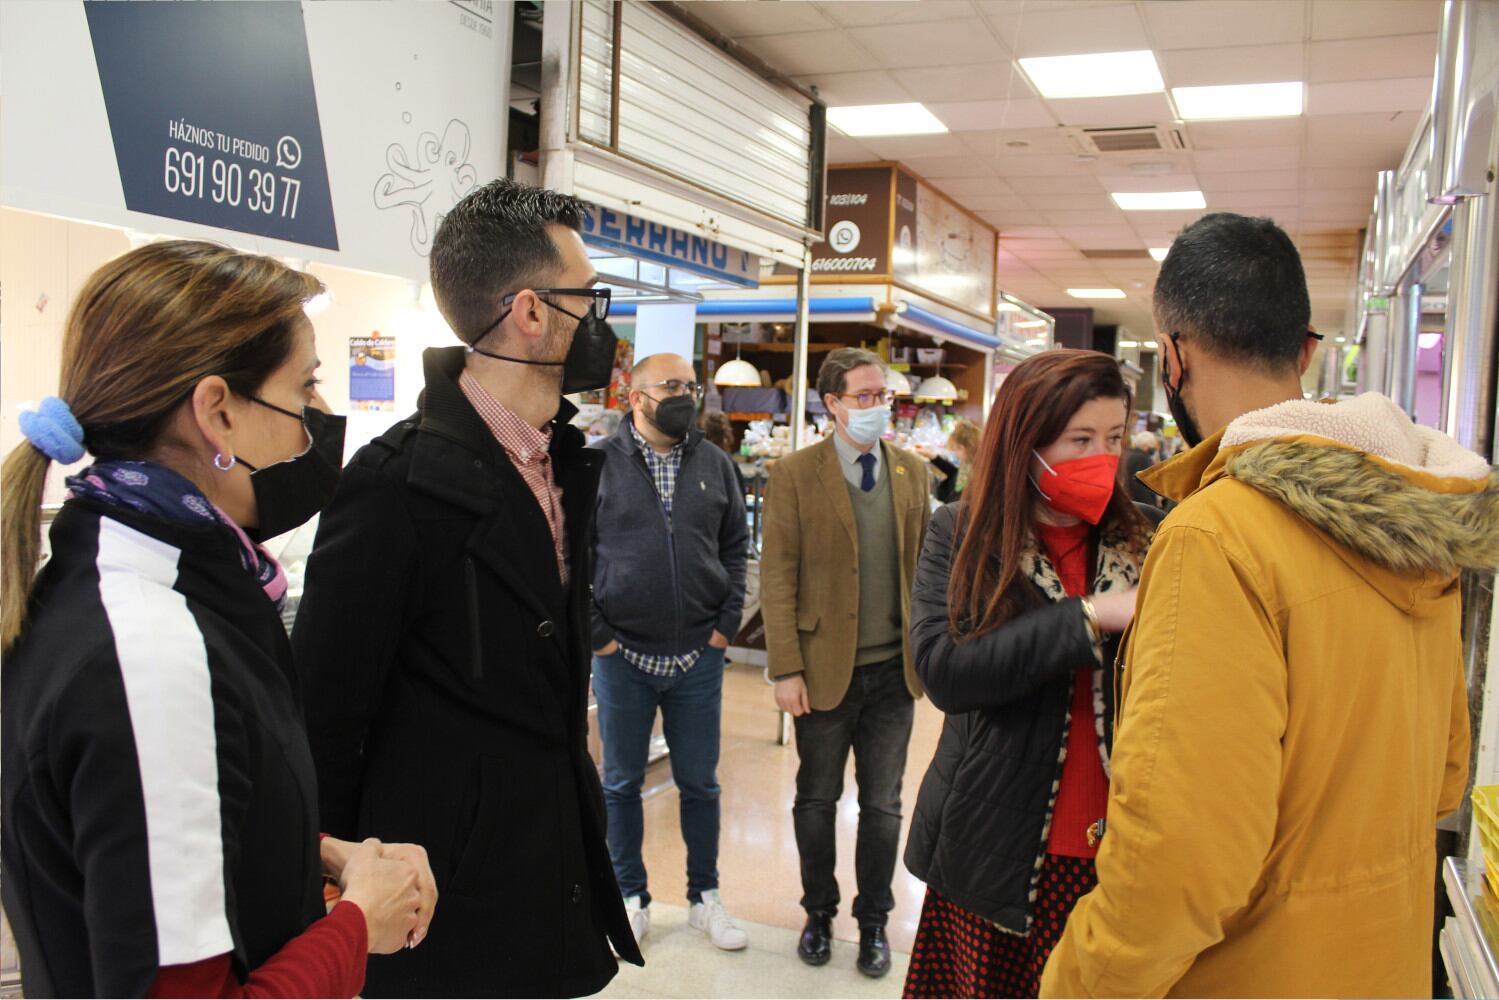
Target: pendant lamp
[937,388]
[739,374]
[897,383]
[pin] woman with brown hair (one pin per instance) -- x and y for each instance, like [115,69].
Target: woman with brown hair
[1022,591]
[160,802]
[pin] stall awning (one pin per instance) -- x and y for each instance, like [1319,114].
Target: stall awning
[923,321]
[827,310]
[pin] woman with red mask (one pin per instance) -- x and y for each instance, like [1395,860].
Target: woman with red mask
[1023,589]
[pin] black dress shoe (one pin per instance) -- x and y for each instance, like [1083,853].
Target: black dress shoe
[816,945]
[874,952]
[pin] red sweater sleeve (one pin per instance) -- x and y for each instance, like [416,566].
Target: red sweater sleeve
[326,960]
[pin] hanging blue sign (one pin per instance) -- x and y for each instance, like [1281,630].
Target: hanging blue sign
[632,237]
[214,117]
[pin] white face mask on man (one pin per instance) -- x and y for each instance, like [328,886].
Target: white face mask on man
[866,426]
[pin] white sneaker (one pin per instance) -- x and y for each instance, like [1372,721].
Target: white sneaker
[710,917]
[639,917]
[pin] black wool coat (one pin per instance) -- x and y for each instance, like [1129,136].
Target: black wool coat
[446,678]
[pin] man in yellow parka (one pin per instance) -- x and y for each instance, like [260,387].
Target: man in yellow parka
[1293,714]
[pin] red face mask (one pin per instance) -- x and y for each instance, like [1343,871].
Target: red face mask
[1081,487]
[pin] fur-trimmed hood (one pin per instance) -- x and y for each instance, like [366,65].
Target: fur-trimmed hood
[1405,497]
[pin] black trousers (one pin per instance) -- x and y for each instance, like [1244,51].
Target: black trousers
[874,720]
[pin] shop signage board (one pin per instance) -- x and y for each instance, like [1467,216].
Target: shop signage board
[372,373]
[264,125]
[858,224]
[634,237]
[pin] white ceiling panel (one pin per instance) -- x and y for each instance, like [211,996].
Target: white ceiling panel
[1040,166]
[973,116]
[761,17]
[1332,213]
[842,149]
[1237,201]
[1368,18]
[1102,237]
[1389,58]
[1219,161]
[1405,94]
[935,168]
[1033,232]
[1259,180]
[1371,129]
[809,52]
[856,13]
[865,87]
[1136,109]
[1008,8]
[995,203]
[931,43]
[1162,222]
[964,187]
[1231,65]
[898,147]
[1246,134]
[939,84]
[1213,23]
[1099,202]
[1069,31]
[1003,220]
[1370,157]
[1062,217]
[1323,177]
[1152,183]
[1047,184]
[1005,143]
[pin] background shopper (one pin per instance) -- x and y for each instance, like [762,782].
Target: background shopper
[843,526]
[672,544]
[1022,591]
[443,633]
[1294,715]
[159,831]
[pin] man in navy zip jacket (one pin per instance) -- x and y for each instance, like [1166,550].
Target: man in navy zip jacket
[671,547]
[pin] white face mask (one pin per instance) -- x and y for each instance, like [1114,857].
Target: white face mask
[866,426]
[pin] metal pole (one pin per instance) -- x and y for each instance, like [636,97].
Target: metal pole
[558,31]
[1468,365]
[1410,348]
[799,355]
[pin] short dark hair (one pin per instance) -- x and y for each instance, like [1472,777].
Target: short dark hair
[495,242]
[1238,285]
[832,377]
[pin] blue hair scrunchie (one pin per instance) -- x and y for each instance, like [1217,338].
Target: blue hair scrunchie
[54,431]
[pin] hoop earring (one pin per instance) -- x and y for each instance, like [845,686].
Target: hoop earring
[218,457]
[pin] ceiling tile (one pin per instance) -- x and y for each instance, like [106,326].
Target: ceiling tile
[1333,213]
[842,149]
[1101,238]
[1237,201]
[1405,94]
[1205,23]
[1010,8]
[898,147]
[1098,202]
[935,168]
[1368,129]
[1067,31]
[931,43]
[866,87]
[1254,134]
[1047,184]
[1100,217]
[761,17]
[809,52]
[1162,222]
[1373,58]
[939,84]
[1230,65]
[1368,156]
[1150,182]
[1039,166]
[1324,177]
[1369,18]
[1018,218]
[1136,109]
[960,187]
[854,13]
[993,203]
[1233,160]
[1033,232]
[972,116]
[1005,143]
[1259,180]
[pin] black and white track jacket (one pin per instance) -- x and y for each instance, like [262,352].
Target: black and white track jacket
[159,800]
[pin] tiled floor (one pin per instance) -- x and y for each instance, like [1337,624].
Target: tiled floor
[758,869]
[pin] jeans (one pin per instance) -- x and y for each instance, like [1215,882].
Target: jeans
[691,707]
[874,721]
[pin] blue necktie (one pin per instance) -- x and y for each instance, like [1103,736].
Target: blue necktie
[867,460]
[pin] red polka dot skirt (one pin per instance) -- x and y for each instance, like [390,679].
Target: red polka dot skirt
[960,954]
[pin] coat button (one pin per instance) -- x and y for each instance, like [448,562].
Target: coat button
[545,629]
[577,893]
[479,464]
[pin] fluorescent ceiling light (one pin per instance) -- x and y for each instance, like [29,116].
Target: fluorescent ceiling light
[885,119]
[1095,293]
[1159,253]
[1158,201]
[1250,100]
[1101,74]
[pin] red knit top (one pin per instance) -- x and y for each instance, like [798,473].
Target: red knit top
[1084,795]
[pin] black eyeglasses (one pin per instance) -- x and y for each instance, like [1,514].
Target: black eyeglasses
[676,387]
[867,399]
[599,306]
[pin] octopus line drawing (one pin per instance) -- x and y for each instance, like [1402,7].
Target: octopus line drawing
[434,179]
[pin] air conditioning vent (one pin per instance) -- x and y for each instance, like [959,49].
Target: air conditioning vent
[1131,139]
[1117,254]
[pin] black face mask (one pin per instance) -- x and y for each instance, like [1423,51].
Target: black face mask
[1184,422]
[289,493]
[673,416]
[590,360]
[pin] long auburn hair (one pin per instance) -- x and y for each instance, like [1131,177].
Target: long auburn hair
[998,509]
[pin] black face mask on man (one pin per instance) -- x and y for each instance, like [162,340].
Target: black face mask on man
[290,492]
[589,363]
[1184,422]
[673,415]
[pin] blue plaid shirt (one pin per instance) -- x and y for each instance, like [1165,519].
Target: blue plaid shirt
[663,469]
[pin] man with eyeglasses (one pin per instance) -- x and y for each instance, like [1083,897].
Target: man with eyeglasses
[844,522]
[671,544]
[443,636]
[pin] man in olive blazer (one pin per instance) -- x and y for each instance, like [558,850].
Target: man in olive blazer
[844,522]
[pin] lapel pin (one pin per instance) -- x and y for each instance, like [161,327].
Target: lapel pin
[702,485]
